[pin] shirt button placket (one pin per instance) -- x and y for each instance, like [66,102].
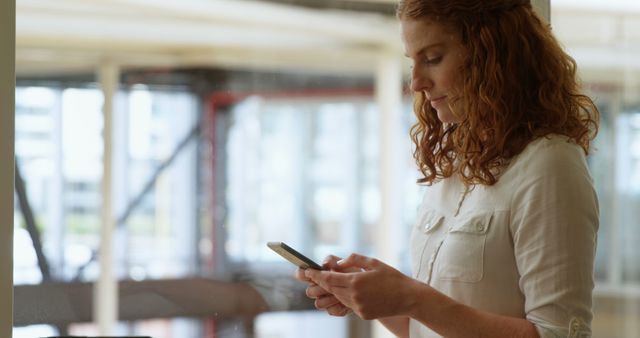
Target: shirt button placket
[432,260]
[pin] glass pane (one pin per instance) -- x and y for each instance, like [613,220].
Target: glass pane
[157,242]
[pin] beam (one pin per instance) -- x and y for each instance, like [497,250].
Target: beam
[7,131]
[42,29]
[196,32]
[32,228]
[344,61]
[153,179]
[321,59]
[66,303]
[230,21]
[362,28]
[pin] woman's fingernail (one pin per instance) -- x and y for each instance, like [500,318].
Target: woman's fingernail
[340,262]
[307,272]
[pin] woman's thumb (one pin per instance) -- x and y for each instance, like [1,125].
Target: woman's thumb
[356,261]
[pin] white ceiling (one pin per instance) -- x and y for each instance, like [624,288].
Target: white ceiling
[82,33]
[79,35]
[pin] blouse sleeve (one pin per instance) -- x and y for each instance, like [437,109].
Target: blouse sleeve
[554,223]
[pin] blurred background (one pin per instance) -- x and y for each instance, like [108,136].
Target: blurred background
[231,123]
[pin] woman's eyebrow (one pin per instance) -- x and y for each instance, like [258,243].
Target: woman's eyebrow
[426,48]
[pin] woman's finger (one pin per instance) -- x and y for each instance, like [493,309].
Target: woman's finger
[326,302]
[315,291]
[357,261]
[299,275]
[339,310]
[331,262]
[329,279]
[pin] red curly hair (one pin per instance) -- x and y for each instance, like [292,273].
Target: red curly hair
[518,85]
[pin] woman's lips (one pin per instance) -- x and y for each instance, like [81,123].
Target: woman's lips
[437,101]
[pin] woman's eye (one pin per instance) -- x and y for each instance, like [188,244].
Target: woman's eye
[434,60]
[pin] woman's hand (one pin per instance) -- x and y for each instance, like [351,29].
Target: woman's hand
[371,289]
[323,299]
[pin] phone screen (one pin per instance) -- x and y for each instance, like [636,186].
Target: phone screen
[293,256]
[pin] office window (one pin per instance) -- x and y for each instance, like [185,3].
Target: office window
[305,172]
[587,29]
[293,169]
[160,234]
[59,156]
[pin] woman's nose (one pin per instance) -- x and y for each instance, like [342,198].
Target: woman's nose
[419,80]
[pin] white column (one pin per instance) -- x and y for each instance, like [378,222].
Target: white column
[54,231]
[617,180]
[7,130]
[388,91]
[120,181]
[106,290]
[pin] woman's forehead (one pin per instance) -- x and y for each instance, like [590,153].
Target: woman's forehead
[418,34]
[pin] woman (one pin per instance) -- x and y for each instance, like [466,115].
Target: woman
[505,240]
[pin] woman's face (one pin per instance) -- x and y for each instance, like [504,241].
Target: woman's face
[437,54]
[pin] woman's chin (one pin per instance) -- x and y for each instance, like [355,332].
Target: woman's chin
[447,117]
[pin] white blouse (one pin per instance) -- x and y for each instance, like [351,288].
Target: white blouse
[523,247]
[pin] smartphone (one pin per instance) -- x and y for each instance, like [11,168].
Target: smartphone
[293,256]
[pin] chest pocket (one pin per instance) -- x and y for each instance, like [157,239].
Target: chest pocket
[428,221]
[461,256]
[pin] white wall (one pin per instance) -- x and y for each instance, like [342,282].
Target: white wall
[7,113]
